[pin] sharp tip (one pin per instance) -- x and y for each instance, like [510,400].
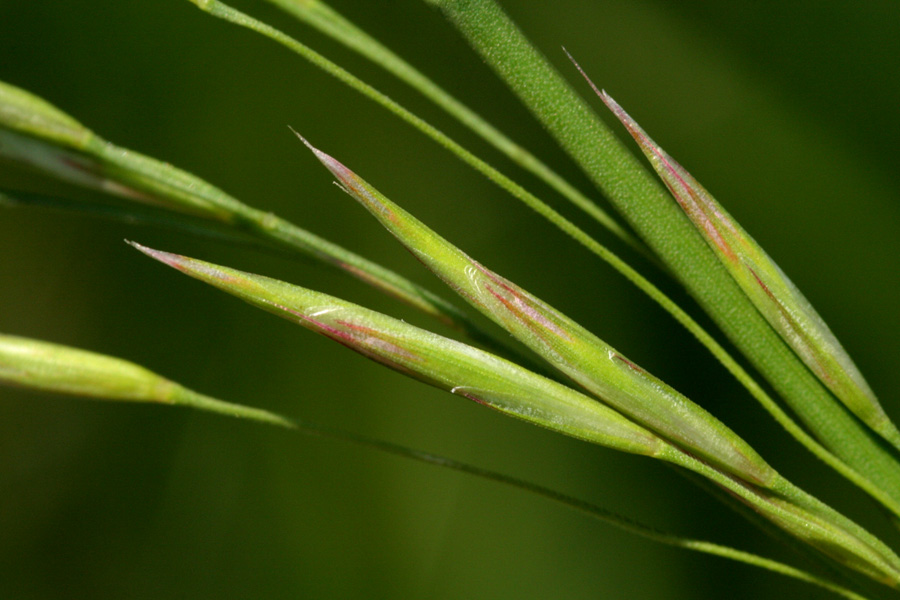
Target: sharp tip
[575,62]
[584,74]
[137,246]
[325,159]
[302,139]
[164,257]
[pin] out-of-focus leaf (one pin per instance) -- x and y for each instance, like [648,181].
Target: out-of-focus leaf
[39,365]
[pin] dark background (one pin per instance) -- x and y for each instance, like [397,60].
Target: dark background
[786,111]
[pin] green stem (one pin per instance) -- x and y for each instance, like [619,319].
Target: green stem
[659,221]
[892,504]
[870,477]
[40,135]
[331,23]
[184,397]
[189,398]
[805,517]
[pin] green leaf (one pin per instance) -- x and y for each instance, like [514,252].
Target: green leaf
[334,25]
[770,290]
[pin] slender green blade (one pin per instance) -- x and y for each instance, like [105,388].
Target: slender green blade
[572,349]
[770,290]
[434,359]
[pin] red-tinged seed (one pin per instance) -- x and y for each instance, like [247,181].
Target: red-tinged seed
[524,307]
[628,363]
[762,284]
[819,368]
[373,336]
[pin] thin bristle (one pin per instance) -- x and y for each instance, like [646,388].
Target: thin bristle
[302,139]
[597,90]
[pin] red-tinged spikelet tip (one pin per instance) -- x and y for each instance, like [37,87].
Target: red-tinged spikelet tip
[348,181]
[190,266]
[173,260]
[345,175]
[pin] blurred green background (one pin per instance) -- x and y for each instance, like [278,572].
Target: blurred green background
[786,111]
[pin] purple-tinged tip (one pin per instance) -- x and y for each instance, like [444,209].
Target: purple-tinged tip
[176,261]
[325,159]
[163,257]
[198,269]
[347,180]
[630,124]
[345,175]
